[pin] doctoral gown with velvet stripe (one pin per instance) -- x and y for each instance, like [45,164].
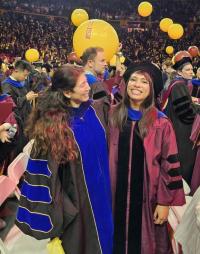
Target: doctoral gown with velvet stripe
[158,182]
[86,183]
[182,111]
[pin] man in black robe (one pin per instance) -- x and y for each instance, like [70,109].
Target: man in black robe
[14,86]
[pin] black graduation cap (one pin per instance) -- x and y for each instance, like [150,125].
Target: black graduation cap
[184,60]
[153,71]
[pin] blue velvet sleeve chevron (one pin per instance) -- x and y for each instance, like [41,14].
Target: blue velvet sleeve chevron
[38,167]
[36,221]
[36,193]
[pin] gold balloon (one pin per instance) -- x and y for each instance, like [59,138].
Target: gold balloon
[79,16]
[169,50]
[113,60]
[145,9]
[96,33]
[175,31]
[32,55]
[165,24]
[55,246]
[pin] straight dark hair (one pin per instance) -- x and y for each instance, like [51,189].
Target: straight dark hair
[149,112]
[23,65]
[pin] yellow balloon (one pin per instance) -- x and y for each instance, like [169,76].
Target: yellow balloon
[32,55]
[165,24]
[96,33]
[55,246]
[113,60]
[175,31]
[145,9]
[79,16]
[169,50]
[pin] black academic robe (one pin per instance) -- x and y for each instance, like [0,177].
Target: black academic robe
[22,109]
[182,111]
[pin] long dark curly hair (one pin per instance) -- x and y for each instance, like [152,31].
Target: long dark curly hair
[49,123]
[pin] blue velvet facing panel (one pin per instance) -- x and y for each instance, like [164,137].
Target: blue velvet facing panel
[91,139]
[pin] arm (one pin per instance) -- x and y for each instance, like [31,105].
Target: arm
[170,187]
[19,100]
[182,103]
[114,81]
[44,209]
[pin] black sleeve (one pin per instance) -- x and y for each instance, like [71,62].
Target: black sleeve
[99,91]
[19,100]
[182,103]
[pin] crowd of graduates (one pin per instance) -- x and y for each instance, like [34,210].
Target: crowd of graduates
[112,146]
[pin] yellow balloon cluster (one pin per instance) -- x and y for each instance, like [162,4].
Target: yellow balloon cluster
[32,55]
[113,60]
[79,16]
[145,9]
[96,33]
[165,24]
[175,31]
[169,50]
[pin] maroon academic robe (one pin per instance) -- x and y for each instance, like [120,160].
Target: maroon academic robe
[162,182]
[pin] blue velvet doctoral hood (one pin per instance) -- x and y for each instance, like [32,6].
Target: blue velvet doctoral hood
[13,82]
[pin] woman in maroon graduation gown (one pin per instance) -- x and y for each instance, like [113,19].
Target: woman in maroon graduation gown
[144,167]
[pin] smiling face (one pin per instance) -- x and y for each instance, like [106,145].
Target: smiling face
[80,92]
[138,89]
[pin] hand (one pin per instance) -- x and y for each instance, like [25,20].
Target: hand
[121,69]
[161,214]
[4,137]
[31,95]
[6,126]
[195,100]
[119,47]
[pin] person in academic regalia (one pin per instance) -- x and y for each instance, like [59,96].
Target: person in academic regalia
[69,141]
[196,83]
[144,166]
[15,87]
[181,108]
